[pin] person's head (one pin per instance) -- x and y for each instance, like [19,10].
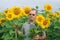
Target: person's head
[32,14]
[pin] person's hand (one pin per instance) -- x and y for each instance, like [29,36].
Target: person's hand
[19,32]
[43,37]
[36,37]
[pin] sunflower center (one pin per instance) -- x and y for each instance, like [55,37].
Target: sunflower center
[6,11]
[58,14]
[39,19]
[45,22]
[2,20]
[27,11]
[16,11]
[49,8]
[9,16]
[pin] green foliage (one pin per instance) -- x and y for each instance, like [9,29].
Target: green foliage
[9,32]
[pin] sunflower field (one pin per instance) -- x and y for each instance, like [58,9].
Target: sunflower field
[13,18]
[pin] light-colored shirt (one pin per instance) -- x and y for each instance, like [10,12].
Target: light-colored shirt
[26,27]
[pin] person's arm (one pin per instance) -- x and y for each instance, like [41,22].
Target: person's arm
[17,29]
[21,30]
[43,37]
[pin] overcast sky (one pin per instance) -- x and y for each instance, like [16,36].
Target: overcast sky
[4,4]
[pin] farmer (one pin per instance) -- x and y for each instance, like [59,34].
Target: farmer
[30,24]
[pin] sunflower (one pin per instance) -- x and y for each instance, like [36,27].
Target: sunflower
[45,23]
[58,14]
[39,19]
[16,11]
[6,11]
[48,7]
[26,10]
[2,20]
[51,15]
[10,16]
